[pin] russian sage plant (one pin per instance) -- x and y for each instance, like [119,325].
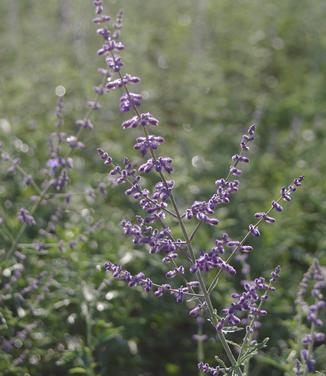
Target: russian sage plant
[191,274]
[169,232]
[309,309]
[33,288]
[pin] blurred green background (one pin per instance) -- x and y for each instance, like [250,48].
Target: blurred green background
[209,68]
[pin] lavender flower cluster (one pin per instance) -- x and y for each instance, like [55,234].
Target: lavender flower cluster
[249,301]
[23,288]
[311,312]
[152,231]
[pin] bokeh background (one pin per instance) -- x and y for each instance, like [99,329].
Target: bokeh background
[209,68]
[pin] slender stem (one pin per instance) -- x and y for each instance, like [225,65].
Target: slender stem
[194,231]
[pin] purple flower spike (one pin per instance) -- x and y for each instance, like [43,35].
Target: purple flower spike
[247,138]
[167,259]
[127,78]
[162,289]
[309,362]
[313,281]
[205,368]
[115,63]
[235,171]
[180,294]
[204,218]
[252,129]
[73,142]
[147,284]
[240,158]
[101,19]
[147,167]
[136,279]
[211,260]
[130,123]
[246,248]
[287,191]
[86,124]
[144,144]
[25,217]
[165,163]
[193,284]
[319,337]
[254,230]
[201,210]
[163,190]
[108,46]
[233,243]
[275,274]
[128,101]
[195,311]
[94,105]
[277,206]
[265,217]
[160,164]
[98,6]
[144,120]
[174,272]
[297,182]
[104,32]
[248,301]
[285,194]
[104,156]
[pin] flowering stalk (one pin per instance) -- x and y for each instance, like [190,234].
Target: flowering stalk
[253,229]
[249,329]
[28,179]
[233,171]
[25,224]
[144,233]
[72,142]
[311,313]
[134,123]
